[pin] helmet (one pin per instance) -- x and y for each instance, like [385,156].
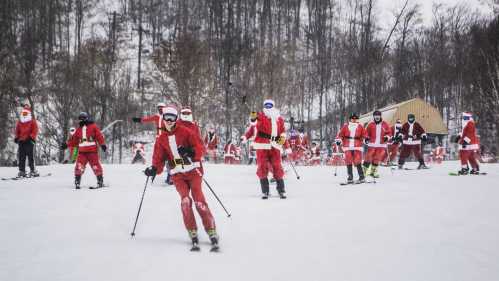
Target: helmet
[83,116]
[354,116]
[377,116]
[170,113]
[268,103]
[411,118]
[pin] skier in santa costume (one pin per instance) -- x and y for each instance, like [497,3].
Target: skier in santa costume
[468,145]
[412,134]
[377,134]
[25,137]
[351,137]
[156,119]
[87,138]
[268,143]
[230,153]
[394,143]
[181,148]
[249,137]
[211,143]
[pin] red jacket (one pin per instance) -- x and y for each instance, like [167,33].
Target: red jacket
[87,138]
[166,149]
[211,143]
[230,150]
[468,134]
[193,126]
[412,133]
[26,130]
[268,130]
[157,119]
[376,134]
[351,136]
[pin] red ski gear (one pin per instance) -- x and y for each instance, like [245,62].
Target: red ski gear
[87,137]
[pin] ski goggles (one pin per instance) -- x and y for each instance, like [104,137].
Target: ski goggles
[268,105]
[24,113]
[170,117]
[466,118]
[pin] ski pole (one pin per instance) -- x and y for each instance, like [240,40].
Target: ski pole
[140,207]
[335,170]
[293,166]
[228,214]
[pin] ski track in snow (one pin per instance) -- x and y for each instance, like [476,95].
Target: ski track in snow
[411,225]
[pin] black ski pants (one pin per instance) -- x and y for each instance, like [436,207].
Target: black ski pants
[26,151]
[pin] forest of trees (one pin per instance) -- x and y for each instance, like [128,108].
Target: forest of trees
[318,59]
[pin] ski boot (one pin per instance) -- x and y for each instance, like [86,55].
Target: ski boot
[362,178]
[350,174]
[368,171]
[264,184]
[463,171]
[193,234]
[474,172]
[100,181]
[77,182]
[280,188]
[34,173]
[422,165]
[22,174]
[374,171]
[212,233]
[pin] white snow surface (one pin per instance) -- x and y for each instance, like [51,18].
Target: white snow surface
[410,225]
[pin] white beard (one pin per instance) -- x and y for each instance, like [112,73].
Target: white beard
[272,113]
[26,118]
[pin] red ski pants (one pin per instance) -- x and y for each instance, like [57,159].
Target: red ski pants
[191,182]
[229,160]
[375,155]
[407,149]
[353,157]
[468,156]
[269,157]
[393,150]
[212,155]
[88,157]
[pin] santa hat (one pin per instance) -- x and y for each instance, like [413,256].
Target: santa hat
[186,110]
[161,104]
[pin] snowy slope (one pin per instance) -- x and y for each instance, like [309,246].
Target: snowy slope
[411,225]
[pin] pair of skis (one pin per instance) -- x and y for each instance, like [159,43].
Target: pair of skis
[457,174]
[357,182]
[27,177]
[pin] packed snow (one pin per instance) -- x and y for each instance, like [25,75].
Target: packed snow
[411,225]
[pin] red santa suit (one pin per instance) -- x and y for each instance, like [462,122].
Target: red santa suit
[185,173]
[468,143]
[138,152]
[351,136]
[315,155]
[412,133]
[378,135]
[249,137]
[268,151]
[230,153]
[438,154]
[296,147]
[336,156]
[156,119]
[25,136]
[87,137]
[211,143]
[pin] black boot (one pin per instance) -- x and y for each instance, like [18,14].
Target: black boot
[100,181]
[280,188]
[350,174]
[361,173]
[401,164]
[77,181]
[464,171]
[264,183]
[422,165]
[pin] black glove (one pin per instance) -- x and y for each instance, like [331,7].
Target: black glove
[136,119]
[104,147]
[16,140]
[366,140]
[64,146]
[186,151]
[150,171]
[465,143]
[31,140]
[338,142]
[424,137]
[458,137]
[386,138]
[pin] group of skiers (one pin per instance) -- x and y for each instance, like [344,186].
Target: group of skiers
[180,147]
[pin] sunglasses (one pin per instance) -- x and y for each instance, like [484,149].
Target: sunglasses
[466,118]
[268,105]
[170,117]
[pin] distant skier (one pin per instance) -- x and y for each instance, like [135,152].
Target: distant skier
[394,143]
[156,118]
[211,143]
[25,137]
[270,137]
[438,154]
[87,138]
[138,152]
[351,137]
[377,134]
[249,137]
[230,153]
[412,134]
[468,145]
[181,148]
[315,155]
